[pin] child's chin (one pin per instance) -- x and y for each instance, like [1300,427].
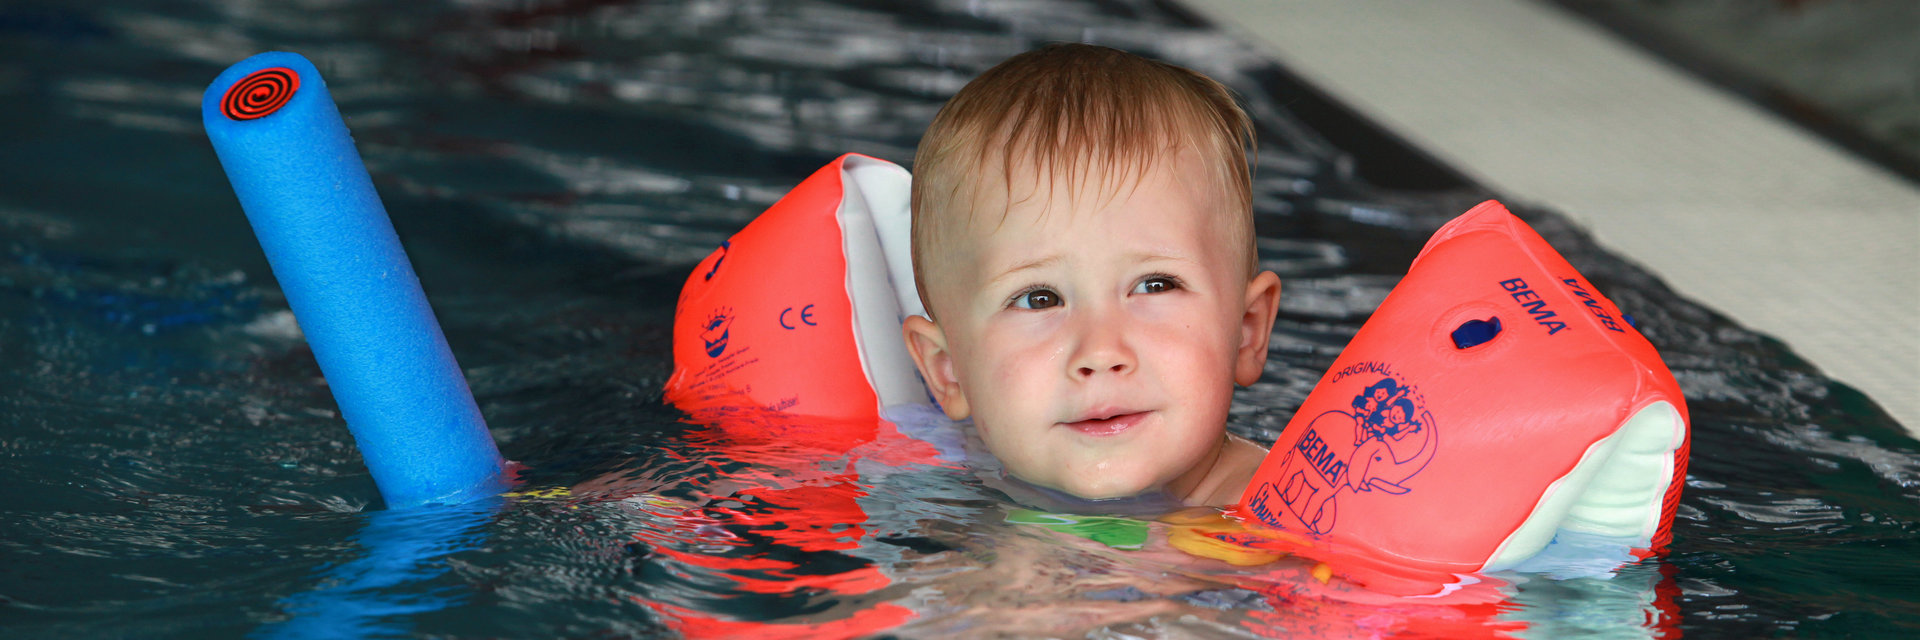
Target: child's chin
[1107,490]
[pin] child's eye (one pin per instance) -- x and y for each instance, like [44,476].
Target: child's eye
[1156,284]
[1036,299]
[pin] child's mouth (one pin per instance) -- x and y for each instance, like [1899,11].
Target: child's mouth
[1108,426]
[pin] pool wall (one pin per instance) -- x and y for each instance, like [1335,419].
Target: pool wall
[1732,205]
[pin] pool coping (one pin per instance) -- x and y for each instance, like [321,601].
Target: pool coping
[1779,228]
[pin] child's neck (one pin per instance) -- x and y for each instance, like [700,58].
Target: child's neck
[1219,481]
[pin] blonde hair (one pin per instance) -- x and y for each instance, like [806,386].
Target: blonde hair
[1066,110]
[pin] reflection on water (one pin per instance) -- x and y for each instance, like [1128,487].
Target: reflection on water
[175,467]
[390,579]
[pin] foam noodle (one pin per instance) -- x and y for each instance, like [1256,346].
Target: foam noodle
[1494,399]
[314,210]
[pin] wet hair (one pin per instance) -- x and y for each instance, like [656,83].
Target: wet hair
[1067,111]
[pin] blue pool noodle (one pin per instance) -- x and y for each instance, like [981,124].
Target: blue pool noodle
[333,249]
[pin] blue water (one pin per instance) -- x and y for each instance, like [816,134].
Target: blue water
[174,465]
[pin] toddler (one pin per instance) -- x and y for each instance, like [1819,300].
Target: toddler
[1083,244]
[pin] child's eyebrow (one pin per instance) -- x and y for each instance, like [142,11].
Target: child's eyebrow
[1038,263]
[1024,266]
[1148,256]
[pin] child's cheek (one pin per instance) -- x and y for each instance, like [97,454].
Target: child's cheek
[1169,325]
[1021,340]
[1173,308]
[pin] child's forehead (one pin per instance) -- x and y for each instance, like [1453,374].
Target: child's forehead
[999,219]
[1033,193]
[1131,225]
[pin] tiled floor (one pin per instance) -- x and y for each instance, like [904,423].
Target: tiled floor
[1732,206]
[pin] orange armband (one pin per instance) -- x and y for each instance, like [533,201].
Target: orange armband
[1494,399]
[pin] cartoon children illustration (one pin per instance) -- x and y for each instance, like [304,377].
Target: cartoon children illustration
[1318,468]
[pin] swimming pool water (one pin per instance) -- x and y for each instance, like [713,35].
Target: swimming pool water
[174,466]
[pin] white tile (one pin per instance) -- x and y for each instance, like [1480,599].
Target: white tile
[1731,205]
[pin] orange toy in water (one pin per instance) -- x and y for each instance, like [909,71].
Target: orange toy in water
[1494,399]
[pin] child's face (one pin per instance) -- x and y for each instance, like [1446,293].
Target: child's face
[1096,345]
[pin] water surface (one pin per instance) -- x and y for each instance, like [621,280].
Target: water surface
[175,467]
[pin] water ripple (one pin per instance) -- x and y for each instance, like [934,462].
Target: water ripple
[176,467]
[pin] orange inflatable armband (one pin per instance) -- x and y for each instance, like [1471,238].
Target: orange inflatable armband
[800,311]
[1493,400]
[788,335]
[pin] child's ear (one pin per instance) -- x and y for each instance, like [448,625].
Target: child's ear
[1256,327]
[928,344]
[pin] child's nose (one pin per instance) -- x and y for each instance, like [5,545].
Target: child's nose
[1102,349]
[1117,367]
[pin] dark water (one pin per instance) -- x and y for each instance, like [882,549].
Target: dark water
[174,466]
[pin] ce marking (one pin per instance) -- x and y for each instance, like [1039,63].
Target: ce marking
[806,317]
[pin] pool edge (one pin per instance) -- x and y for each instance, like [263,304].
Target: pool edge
[1707,190]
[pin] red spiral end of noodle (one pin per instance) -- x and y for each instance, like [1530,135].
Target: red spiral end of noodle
[260,93]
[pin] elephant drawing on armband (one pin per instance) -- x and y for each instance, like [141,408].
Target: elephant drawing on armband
[1385,441]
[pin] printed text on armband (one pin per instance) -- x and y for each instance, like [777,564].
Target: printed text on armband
[1536,306]
[1592,303]
[1380,368]
[719,370]
[1368,366]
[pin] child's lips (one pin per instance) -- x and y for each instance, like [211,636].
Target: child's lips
[1109,426]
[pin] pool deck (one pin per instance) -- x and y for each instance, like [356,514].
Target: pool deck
[1732,206]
